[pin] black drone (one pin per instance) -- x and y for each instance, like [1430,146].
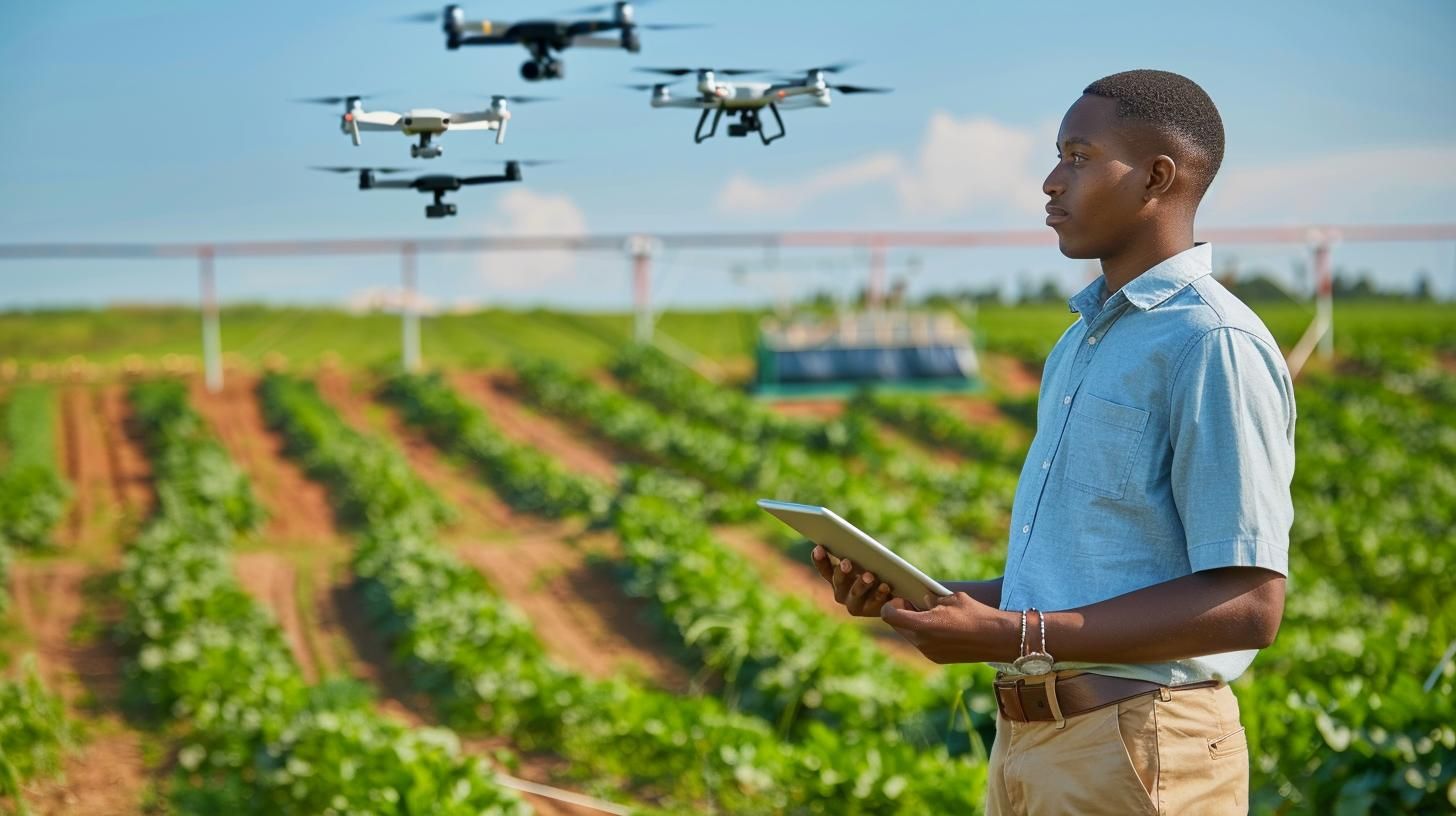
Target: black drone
[436,184]
[541,37]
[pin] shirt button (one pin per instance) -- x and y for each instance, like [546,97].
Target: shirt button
[1067,400]
[1092,341]
[1046,463]
[1026,528]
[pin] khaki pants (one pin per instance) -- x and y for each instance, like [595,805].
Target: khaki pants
[1169,753]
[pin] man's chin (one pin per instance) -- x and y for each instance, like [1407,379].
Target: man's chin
[1074,249]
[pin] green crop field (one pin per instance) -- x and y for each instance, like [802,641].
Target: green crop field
[432,491]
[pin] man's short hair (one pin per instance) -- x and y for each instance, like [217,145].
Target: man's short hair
[1173,105]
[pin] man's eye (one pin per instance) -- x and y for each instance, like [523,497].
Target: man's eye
[1078,158]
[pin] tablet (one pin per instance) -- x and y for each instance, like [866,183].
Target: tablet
[843,540]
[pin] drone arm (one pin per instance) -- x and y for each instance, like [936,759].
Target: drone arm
[485,179]
[588,41]
[393,184]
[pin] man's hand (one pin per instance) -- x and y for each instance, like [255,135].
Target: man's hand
[855,588]
[956,629]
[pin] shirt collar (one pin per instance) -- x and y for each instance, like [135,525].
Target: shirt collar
[1153,287]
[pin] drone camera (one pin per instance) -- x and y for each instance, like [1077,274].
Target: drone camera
[439,210]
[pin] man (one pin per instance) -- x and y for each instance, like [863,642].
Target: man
[1150,529]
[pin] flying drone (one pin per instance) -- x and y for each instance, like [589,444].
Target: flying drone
[436,184]
[541,37]
[426,123]
[745,100]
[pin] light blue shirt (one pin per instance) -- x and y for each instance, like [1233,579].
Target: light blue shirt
[1164,446]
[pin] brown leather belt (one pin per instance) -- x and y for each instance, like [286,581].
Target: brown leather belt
[1024,701]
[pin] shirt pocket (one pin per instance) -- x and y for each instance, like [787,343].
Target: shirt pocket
[1104,437]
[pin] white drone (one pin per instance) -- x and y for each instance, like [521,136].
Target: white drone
[426,123]
[746,99]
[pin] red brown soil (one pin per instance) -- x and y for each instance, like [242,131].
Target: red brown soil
[822,409]
[298,508]
[577,608]
[1010,374]
[106,468]
[792,578]
[273,581]
[110,483]
[975,410]
[497,394]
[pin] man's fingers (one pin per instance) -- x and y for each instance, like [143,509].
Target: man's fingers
[842,580]
[820,557]
[858,592]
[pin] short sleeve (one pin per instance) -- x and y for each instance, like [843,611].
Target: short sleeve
[1232,430]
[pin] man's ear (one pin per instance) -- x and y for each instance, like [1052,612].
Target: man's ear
[1160,177]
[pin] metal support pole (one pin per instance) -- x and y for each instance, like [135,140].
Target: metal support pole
[1324,296]
[641,248]
[211,331]
[874,298]
[409,316]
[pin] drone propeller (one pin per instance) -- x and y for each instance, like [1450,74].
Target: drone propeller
[650,86]
[672,26]
[604,7]
[357,169]
[523,100]
[419,17]
[833,68]
[678,72]
[858,89]
[335,100]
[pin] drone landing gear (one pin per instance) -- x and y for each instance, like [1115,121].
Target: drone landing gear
[748,122]
[439,209]
[543,68]
[426,150]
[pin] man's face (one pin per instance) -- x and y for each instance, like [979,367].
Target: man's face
[1096,190]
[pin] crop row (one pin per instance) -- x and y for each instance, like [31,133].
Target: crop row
[477,659]
[255,737]
[914,519]
[780,657]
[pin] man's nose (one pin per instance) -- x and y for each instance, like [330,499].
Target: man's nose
[1053,186]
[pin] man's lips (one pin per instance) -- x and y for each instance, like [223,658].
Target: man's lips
[1055,215]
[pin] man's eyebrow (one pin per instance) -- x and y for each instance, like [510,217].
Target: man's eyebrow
[1080,140]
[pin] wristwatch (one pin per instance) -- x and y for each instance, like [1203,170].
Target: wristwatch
[1034,662]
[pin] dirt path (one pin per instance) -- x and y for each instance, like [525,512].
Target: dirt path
[298,509]
[497,394]
[577,608]
[792,578]
[102,465]
[65,606]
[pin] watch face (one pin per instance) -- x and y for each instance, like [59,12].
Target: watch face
[1034,664]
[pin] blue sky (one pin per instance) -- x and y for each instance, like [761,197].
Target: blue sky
[171,121]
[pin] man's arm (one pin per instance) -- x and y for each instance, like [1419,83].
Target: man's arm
[1220,610]
[987,592]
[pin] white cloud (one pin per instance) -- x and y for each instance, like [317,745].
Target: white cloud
[1373,184]
[975,165]
[520,211]
[745,195]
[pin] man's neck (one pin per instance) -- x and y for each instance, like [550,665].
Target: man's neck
[1145,253]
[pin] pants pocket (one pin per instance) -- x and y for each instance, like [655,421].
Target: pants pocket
[1234,742]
